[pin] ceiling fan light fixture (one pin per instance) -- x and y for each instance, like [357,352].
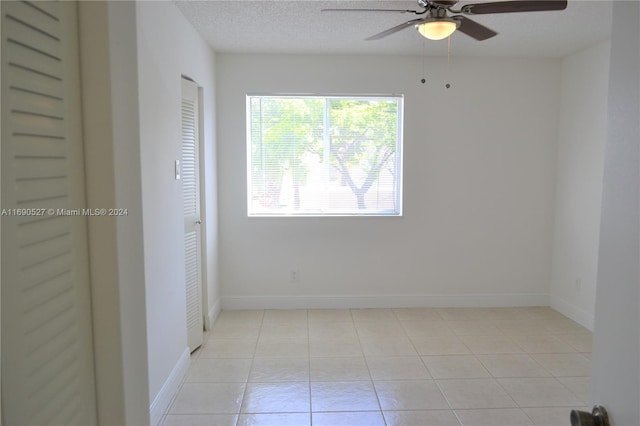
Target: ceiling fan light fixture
[437,29]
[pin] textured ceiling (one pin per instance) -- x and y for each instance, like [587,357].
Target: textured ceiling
[272,26]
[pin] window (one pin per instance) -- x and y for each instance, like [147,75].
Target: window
[324,155]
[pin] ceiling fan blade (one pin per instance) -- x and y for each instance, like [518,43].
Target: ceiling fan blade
[395,29]
[513,6]
[474,29]
[415,12]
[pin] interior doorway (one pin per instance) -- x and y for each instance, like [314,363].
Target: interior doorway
[190,175]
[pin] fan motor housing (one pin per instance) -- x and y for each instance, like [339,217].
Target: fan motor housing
[444,3]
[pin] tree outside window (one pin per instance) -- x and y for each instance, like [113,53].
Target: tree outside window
[324,155]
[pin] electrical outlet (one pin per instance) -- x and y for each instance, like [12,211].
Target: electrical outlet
[294,275]
[578,284]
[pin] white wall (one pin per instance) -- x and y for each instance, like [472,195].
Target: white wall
[580,164]
[169,47]
[112,165]
[616,355]
[479,170]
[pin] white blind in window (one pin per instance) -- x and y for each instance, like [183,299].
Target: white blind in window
[324,155]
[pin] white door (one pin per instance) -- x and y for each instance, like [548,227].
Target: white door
[47,355]
[192,220]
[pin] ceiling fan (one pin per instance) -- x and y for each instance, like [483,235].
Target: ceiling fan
[440,20]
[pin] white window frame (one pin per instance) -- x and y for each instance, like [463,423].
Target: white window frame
[398,156]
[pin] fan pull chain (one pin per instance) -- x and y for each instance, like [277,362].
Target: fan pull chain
[423,80]
[448,85]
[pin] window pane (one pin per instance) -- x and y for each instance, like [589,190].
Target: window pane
[324,155]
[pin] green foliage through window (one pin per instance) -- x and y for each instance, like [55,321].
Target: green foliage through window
[324,155]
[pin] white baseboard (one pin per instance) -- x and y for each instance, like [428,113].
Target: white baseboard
[170,388]
[579,315]
[212,315]
[385,301]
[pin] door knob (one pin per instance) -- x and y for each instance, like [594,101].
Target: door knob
[598,417]
[198,222]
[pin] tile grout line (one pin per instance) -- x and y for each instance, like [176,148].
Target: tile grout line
[253,357]
[373,385]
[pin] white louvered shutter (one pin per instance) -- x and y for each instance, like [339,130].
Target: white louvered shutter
[191,205]
[47,355]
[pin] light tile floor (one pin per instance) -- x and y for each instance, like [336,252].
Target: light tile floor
[424,366]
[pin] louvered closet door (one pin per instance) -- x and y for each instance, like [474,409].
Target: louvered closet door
[192,221]
[47,367]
